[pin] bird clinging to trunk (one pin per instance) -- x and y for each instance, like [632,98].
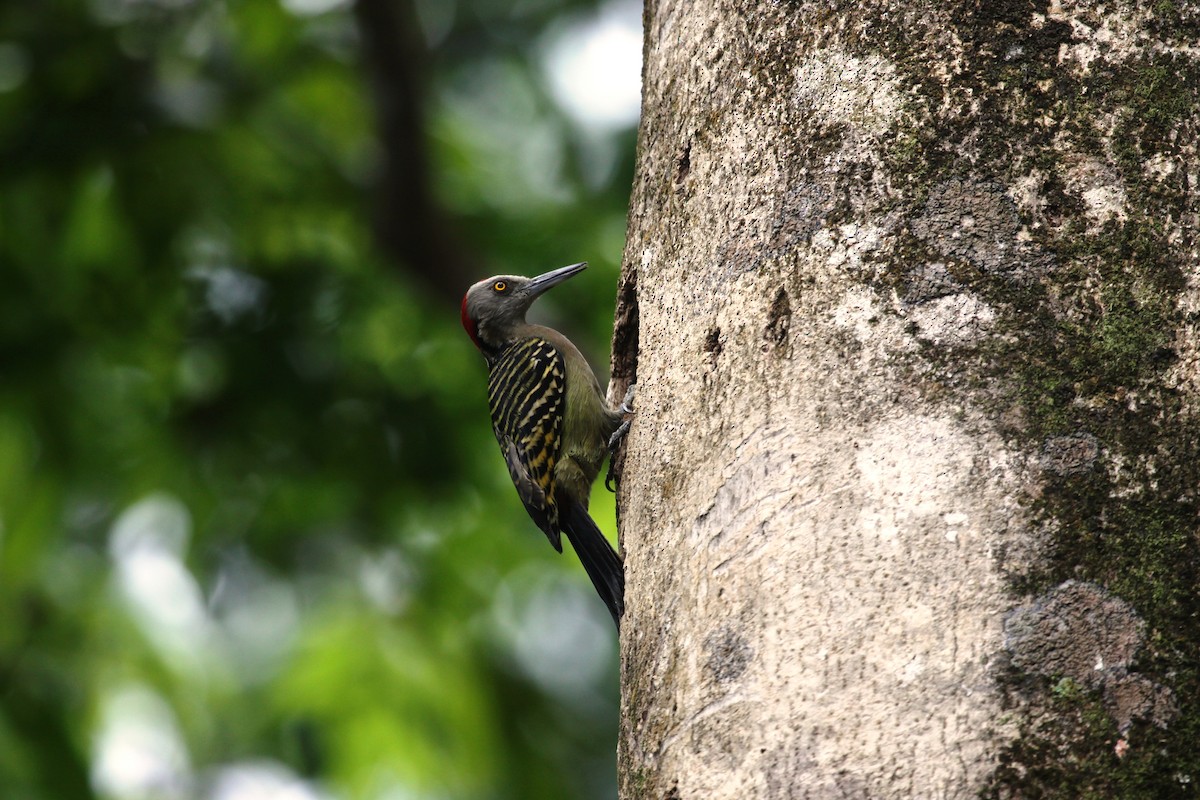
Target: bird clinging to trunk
[552,421]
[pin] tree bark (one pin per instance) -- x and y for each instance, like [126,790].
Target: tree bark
[909,503]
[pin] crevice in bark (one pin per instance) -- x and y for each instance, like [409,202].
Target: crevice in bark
[683,165]
[779,322]
[712,342]
[624,356]
[625,335]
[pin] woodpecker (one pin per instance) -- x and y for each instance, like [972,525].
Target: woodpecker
[552,422]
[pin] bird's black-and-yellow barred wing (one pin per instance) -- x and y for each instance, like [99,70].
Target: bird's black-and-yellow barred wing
[527,386]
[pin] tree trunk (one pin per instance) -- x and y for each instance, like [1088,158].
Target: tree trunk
[909,504]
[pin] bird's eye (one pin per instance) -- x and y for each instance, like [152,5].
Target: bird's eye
[500,286]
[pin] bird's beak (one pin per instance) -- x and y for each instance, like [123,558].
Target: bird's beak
[552,278]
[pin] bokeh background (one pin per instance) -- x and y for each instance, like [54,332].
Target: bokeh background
[256,539]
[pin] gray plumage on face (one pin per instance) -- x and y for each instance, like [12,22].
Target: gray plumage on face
[493,310]
[498,304]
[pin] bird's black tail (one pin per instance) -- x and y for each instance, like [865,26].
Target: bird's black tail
[601,562]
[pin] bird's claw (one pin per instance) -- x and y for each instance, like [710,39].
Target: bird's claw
[618,436]
[611,475]
[625,408]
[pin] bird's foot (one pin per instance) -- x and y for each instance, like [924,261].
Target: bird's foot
[625,409]
[613,443]
[619,435]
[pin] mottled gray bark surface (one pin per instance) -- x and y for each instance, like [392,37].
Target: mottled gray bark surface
[909,506]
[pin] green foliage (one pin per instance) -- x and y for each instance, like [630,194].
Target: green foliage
[252,520]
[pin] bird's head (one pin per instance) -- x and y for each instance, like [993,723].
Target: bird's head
[493,309]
